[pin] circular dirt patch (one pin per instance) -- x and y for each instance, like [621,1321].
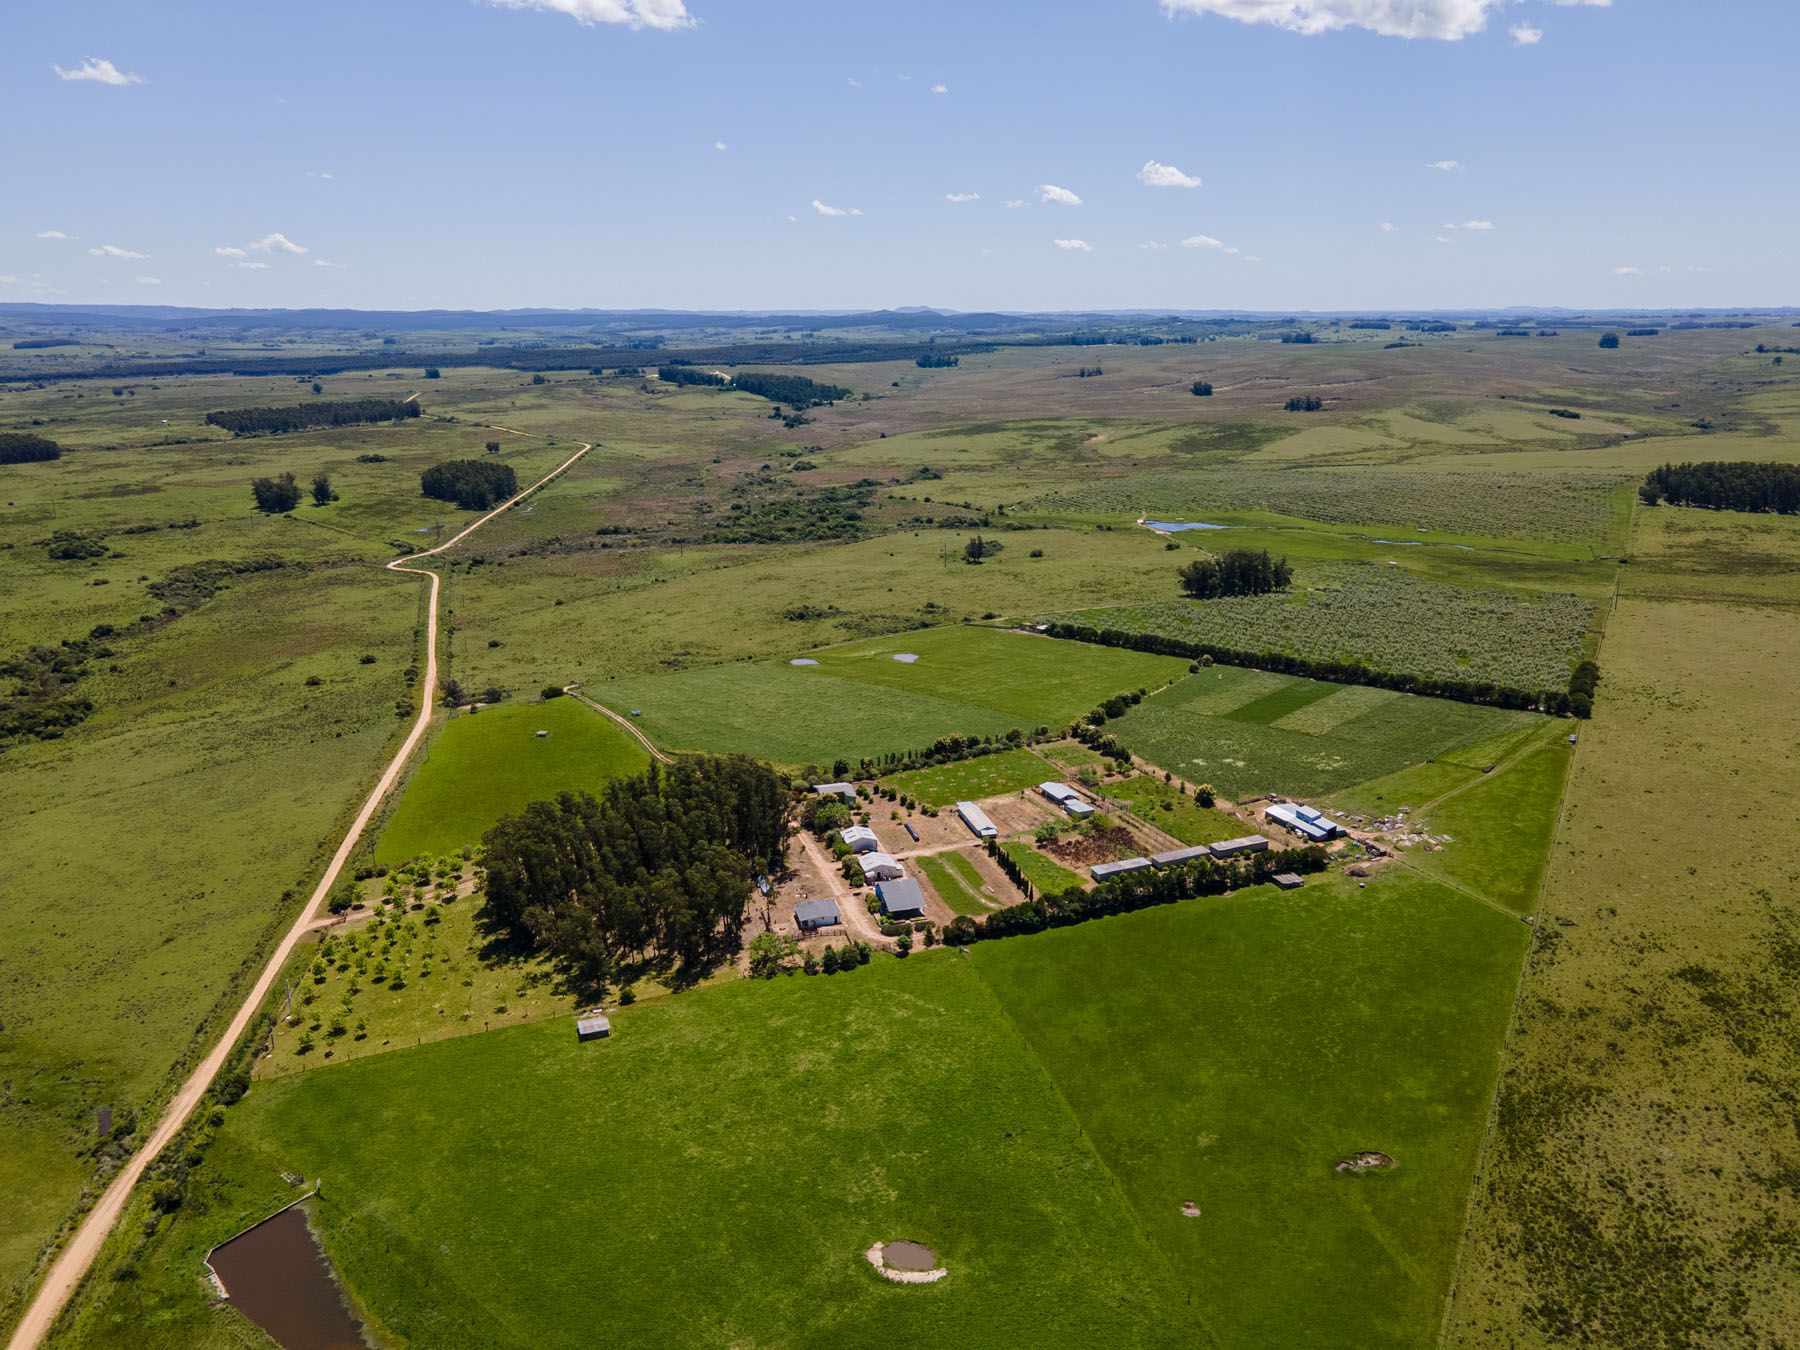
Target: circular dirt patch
[908,1256]
[1366,1161]
[906,658]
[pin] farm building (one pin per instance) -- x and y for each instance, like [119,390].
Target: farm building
[1068,798]
[592,1027]
[812,915]
[1107,871]
[846,791]
[1289,881]
[1232,848]
[1176,857]
[861,839]
[1304,820]
[880,867]
[976,819]
[901,899]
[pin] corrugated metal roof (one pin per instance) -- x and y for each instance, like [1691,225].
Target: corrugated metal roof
[823,913]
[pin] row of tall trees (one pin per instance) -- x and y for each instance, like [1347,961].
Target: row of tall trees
[796,391]
[658,867]
[1738,485]
[21,447]
[307,416]
[1238,571]
[473,484]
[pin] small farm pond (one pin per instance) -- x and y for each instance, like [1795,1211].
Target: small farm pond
[908,1256]
[1171,527]
[279,1277]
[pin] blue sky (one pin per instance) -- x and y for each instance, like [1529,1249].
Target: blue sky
[729,154]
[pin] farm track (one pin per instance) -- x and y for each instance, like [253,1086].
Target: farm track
[626,722]
[84,1246]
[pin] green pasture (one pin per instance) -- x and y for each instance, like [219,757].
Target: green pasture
[1500,829]
[1175,812]
[1231,1052]
[484,765]
[667,1189]
[858,701]
[957,886]
[1045,874]
[970,780]
[1244,733]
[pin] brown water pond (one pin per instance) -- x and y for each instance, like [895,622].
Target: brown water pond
[908,1256]
[279,1277]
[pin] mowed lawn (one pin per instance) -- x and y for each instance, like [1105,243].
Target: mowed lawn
[1231,1051]
[859,701]
[711,1175]
[485,765]
[972,779]
[1500,829]
[1044,873]
[1250,731]
[1176,812]
[955,880]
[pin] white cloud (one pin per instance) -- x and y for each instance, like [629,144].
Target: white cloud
[272,243]
[720,145]
[664,14]
[249,266]
[854,81]
[1441,239]
[1074,245]
[825,210]
[229,252]
[1251,257]
[1016,203]
[1449,20]
[320,173]
[149,281]
[100,72]
[1153,244]
[53,234]
[962,196]
[1525,35]
[1388,227]
[114,251]
[1446,165]
[1628,271]
[1207,241]
[1049,192]
[1478,225]
[940,88]
[9,281]
[1165,175]
[326,262]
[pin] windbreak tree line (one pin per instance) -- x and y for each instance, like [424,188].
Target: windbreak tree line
[659,867]
[1238,571]
[21,447]
[306,416]
[1740,485]
[473,484]
[796,391]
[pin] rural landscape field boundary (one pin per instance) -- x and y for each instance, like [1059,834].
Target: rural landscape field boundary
[83,1246]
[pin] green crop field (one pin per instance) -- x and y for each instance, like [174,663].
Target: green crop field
[1045,874]
[1313,1026]
[484,765]
[1247,732]
[1500,829]
[1387,619]
[668,1189]
[966,780]
[859,701]
[1175,812]
[955,880]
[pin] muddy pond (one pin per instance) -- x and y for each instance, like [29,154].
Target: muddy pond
[279,1277]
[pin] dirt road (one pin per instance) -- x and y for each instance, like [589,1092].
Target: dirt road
[79,1253]
[626,722]
[854,912]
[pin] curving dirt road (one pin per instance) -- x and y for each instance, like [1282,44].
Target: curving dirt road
[79,1253]
[626,722]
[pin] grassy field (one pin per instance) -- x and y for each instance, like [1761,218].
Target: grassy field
[485,765]
[669,1191]
[967,780]
[1248,732]
[1174,812]
[1310,1027]
[858,701]
[1649,1048]
[955,880]
[1500,829]
[1044,873]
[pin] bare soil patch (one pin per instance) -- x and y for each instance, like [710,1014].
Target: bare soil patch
[1084,850]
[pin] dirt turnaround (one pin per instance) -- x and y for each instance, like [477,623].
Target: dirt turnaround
[905,1262]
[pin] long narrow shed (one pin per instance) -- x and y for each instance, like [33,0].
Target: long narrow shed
[1232,848]
[1107,871]
[976,819]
